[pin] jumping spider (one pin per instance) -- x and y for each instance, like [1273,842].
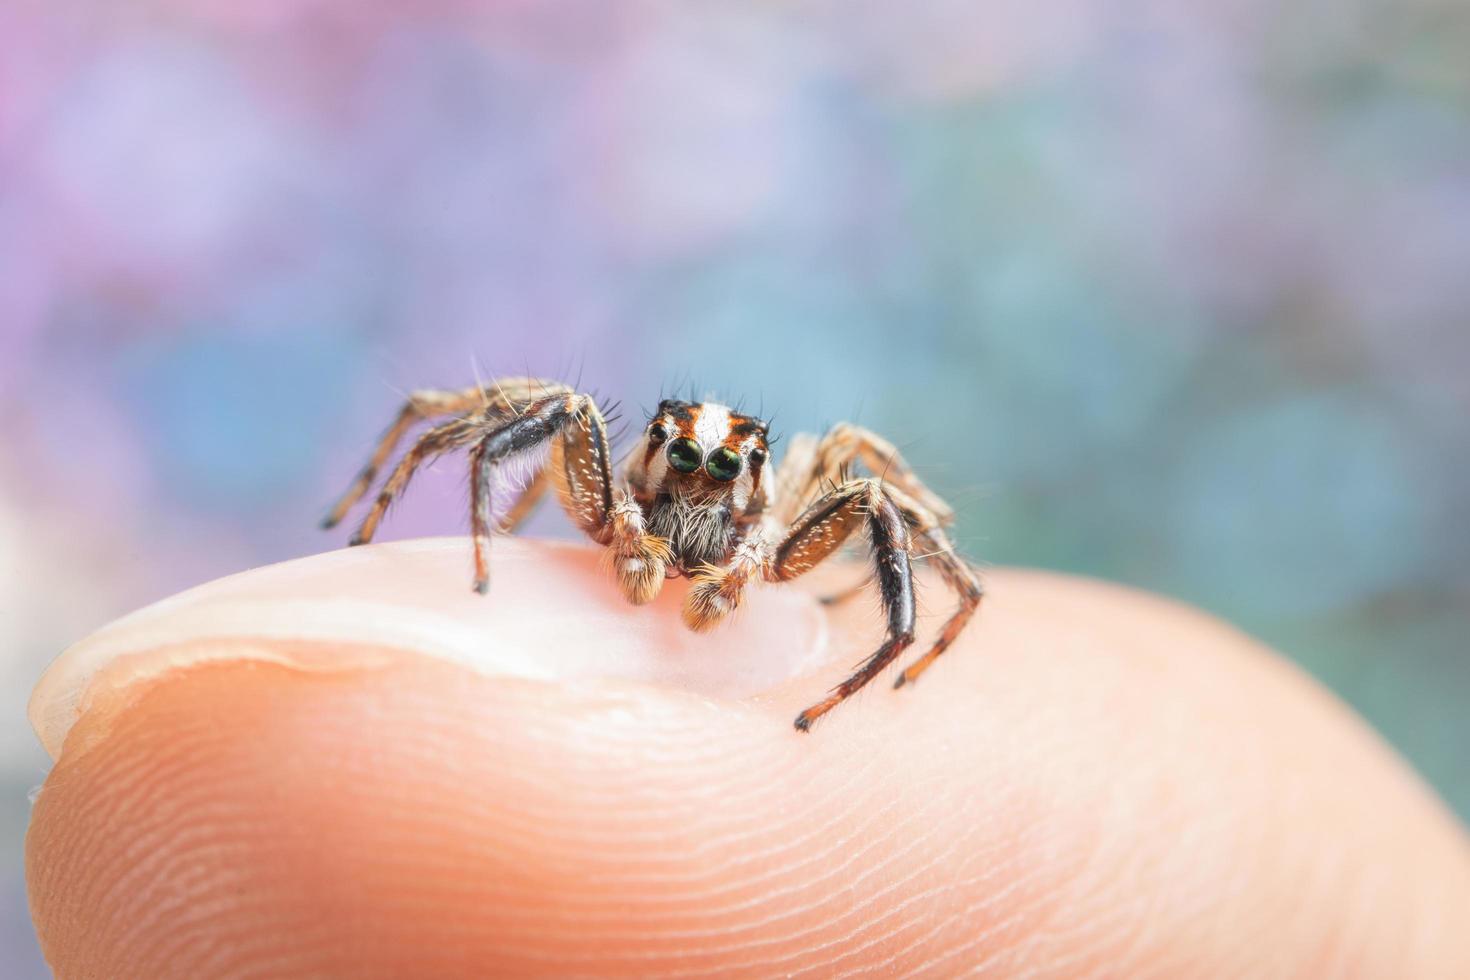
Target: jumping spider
[697,498]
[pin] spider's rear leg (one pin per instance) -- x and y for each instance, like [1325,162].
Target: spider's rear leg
[438,440]
[961,578]
[820,532]
[501,397]
[811,463]
[419,406]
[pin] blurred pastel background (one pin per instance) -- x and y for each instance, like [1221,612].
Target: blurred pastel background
[1175,294]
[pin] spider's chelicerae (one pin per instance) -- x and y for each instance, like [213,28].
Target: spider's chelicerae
[698,497]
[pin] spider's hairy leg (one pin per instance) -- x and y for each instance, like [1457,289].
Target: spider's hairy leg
[581,468]
[639,558]
[534,425]
[966,584]
[819,533]
[436,441]
[420,405]
[792,476]
[716,591]
[482,478]
[798,480]
[810,463]
[503,418]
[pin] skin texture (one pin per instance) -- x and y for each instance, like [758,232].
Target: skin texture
[1091,782]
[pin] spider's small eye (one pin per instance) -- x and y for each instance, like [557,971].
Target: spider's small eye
[723,464]
[684,455]
[657,434]
[757,456]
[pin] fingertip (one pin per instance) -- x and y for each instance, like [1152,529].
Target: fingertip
[418,819]
[1082,755]
[553,613]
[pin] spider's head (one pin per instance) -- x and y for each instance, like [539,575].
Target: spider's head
[701,450]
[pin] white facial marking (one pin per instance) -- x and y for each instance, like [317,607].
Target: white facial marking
[712,426]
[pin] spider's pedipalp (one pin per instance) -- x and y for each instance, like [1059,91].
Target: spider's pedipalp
[716,591]
[640,560]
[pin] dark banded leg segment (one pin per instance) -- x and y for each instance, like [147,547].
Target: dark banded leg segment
[965,583]
[940,552]
[819,533]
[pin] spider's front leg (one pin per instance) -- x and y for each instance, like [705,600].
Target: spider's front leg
[820,532]
[956,572]
[581,470]
[815,536]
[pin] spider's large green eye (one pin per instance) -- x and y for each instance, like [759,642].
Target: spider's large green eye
[684,455]
[723,464]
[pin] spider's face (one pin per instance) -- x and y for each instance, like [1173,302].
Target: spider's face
[701,451]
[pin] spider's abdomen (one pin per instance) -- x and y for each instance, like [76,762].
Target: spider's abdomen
[697,533]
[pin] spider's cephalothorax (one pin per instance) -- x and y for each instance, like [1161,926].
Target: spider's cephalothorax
[695,473]
[697,497]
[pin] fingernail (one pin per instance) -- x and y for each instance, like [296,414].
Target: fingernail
[553,613]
